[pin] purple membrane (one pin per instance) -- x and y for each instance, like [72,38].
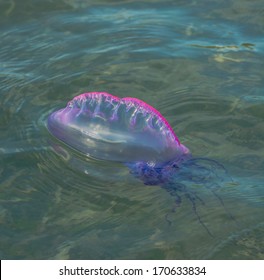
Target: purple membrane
[120,129]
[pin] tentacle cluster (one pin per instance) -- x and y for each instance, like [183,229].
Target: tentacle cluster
[175,177]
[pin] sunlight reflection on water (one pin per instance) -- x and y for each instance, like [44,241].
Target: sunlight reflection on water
[200,65]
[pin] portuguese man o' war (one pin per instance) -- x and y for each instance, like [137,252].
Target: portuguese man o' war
[130,131]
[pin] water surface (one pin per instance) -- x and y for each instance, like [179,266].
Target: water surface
[199,64]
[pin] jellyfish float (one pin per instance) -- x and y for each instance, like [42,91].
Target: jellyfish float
[130,131]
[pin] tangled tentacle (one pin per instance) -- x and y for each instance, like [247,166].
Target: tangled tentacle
[175,176]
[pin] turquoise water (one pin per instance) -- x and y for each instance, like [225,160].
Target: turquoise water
[199,64]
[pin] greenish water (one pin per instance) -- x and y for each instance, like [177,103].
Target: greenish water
[199,64]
